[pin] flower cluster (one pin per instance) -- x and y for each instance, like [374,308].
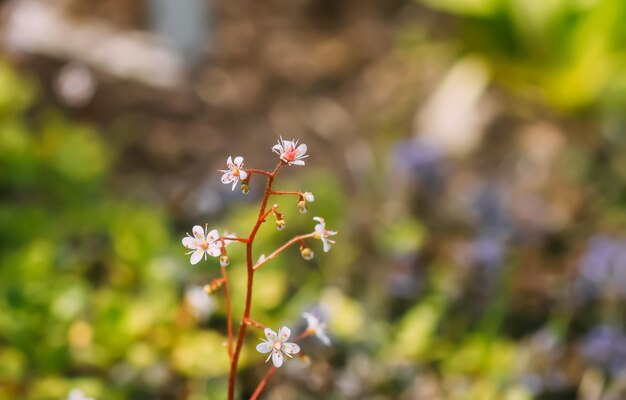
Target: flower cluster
[204,242]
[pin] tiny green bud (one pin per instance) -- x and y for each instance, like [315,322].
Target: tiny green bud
[245,188]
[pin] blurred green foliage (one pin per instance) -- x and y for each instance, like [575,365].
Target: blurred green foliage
[568,54]
[92,285]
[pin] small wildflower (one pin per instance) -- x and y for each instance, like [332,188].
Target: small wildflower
[290,152]
[308,196]
[224,260]
[322,233]
[201,245]
[280,224]
[278,345]
[234,172]
[307,253]
[316,327]
[77,394]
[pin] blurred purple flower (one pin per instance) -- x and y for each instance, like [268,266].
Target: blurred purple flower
[421,161]
[603,267]
[492,216]
[606,346]
[487,252]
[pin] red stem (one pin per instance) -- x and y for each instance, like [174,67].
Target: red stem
[296,239]
[234,239]
[229,314]
[249,266]
[257,171]
[255,324]
[279,192]
[263,382]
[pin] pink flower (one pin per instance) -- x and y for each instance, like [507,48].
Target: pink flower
[290,152]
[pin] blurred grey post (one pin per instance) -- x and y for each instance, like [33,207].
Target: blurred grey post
[184,24]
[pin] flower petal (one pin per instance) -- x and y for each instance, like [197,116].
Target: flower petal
[198,232]
[277,359]
[301,150]
[278,149]
[290,348]
[322,336]
[297,162]
[270,335]
[196,256]
[284,333]
[189,242]
[228,177]
[243,174]
[215,250]
[238,160]
[264,347]
[326,245]
[308,196]
[212,236]
[229,162]
[235,183]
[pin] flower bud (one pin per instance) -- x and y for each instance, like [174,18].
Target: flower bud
[307,253]
[308,196]
[302,206]
[213,286]
[224,260]
[280,224]
[245,188]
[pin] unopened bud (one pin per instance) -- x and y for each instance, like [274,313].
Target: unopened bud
[224,260]
[307,253]
[304,359]
[245,188]
[280,224]
[302,206]
[213,286]
[308,196]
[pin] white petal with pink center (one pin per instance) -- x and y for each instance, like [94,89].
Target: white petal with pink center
[290,152]
[277,346]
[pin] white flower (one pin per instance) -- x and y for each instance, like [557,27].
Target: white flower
[201,245]
[234,172]
[277,345]
[316,327]
[77,394]
[322,233]
[290,152]
[308,196]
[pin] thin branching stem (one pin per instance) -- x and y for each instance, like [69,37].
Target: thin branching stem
[297,239]
[250,279]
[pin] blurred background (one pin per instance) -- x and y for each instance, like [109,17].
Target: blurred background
[470,152]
